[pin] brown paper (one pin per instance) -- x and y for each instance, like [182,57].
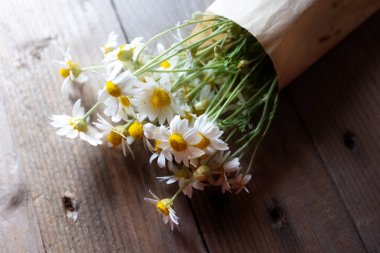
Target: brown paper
[296,33]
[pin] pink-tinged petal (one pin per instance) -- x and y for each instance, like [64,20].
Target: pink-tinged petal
[152,201]
[198,185]
[232,165]
[165,219]
[153,195]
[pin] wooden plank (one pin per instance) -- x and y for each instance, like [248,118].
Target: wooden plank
[113,215]
[294,206]
[19,231]
[338,99]
[147,18]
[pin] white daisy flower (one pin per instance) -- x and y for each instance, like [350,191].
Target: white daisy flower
[164,207]
[76,125]
[182,176]
[168,64]
[115,135]
[210,134]
[111,43]
[179,140]
[155,101]
[123,57]
[150,132]
[70,71]
[239,182]
[116,95]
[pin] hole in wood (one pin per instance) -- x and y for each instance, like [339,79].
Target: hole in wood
[278,218]
[350,140]
[71,205]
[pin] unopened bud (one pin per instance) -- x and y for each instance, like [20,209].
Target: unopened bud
[202,172]
[242,65]
[218,51]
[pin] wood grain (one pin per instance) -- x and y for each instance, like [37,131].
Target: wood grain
[338,99]
[113,215]
[295,206]
[316,178]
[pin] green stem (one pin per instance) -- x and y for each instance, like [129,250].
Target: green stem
[91,111]
[159,59]
[170,30]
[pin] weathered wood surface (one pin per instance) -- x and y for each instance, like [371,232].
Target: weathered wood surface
[317,175]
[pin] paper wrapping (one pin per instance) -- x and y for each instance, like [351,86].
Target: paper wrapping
[296,33]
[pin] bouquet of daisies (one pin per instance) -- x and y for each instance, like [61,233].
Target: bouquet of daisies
[199,106]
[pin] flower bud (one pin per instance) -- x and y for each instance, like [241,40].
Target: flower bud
[202,172]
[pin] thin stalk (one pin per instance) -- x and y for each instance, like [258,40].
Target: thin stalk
[170,30]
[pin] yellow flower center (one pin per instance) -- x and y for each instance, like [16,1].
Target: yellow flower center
[136,130]
[64,72]
[163,206]
[71,66]
[156,147]
[124,100]
[160,98]
[124,55]
[165,64]
[114,138]
[78,124]
[113,89]
[177,142]
[203,143]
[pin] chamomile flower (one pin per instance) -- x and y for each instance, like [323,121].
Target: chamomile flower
[123,57]
[150,131]
[168,64]
[210,134]
[239,183]
[76,125]
[116,95]
[164,207]
[70,71]
[111,43]
[155,101]
[115,135]
[179,140]
[183,177]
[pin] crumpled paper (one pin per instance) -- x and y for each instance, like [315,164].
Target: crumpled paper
[296,33]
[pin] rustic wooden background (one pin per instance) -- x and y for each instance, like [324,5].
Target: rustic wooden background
[317,177]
